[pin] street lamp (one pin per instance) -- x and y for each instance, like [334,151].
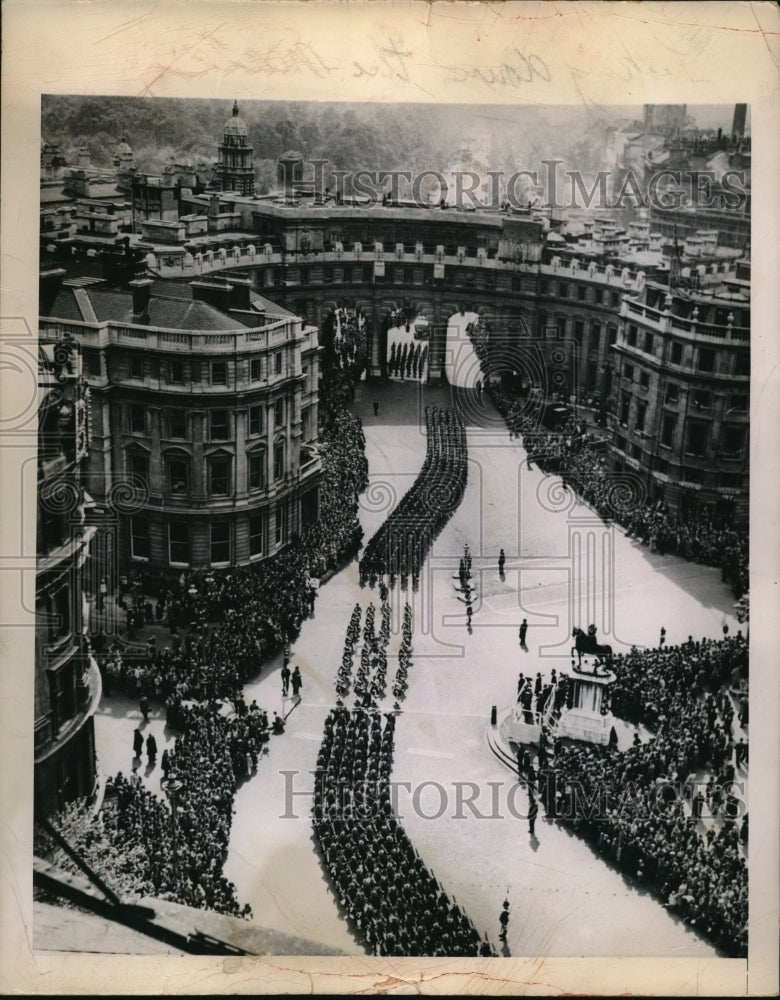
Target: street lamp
[607,368]
[172,788]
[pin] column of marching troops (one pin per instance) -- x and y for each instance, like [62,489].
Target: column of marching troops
[408,360]
[400,546]
[392,900]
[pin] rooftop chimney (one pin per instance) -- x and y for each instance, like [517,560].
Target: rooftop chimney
[142,290]
[216,293]
[239,293]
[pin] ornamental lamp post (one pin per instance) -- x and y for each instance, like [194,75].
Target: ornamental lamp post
[172,788]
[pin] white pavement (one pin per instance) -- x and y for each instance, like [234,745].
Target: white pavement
[565,900]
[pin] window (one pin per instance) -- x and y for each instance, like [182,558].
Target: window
[255,420]
[636,451]
[620,442]
[177,424]
[701,399]
[676,352]
[179,543]
[220,543]
[63,695]
[595,335]
[742,363]
[175,371]
[306,423]
[137,419]
[611,334]
[733,440]
[579,330]
[667,429]
[615,300]
[279,412]
[256,535]
[581,292]
[631,336]
[739,402]
[219,373]
[136,366]
[219,476]
[279,460]
[697,439]
[256,369]
[92,359]
[139,538]
[281,524]
[644,380]
[278,363]
[219,425]
[195,370]
[178,475]
[563,290]
[706,360]
[641,413]
[672,393]
[625,403]
[257,470]
[649,345]
[138,467]
[628,372]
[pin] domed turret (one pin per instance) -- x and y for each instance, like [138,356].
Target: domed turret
[235,169]
[235,124]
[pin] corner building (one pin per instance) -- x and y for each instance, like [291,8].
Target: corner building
[204,417]
[682,376]
[67,680]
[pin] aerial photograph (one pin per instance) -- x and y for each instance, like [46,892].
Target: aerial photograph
[392,586]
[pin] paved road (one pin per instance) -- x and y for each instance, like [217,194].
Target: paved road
[563,568]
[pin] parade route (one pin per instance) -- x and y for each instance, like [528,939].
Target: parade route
[565,901]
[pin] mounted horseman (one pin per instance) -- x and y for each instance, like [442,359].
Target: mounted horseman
[588,643]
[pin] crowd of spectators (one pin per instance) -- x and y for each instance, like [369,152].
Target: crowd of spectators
[392,900]
[644,808]
[399,547]
[143,845]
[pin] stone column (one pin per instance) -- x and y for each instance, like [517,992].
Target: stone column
[197,472]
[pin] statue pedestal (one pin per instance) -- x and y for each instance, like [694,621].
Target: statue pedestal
[587,719]
[576,724]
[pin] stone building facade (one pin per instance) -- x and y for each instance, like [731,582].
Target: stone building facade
[67,680]
[204,417]
[682,383]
